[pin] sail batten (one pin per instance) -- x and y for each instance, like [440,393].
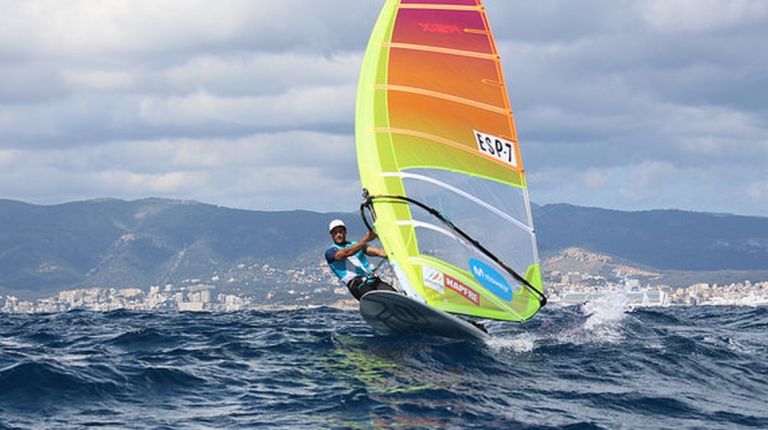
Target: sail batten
[443,141]
[444,96]
[421,224]
[441,50]
[428,6]
[439,156]
[467,196]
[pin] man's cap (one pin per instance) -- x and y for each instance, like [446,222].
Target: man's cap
[336,223]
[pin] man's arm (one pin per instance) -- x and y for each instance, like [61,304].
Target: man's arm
[376,252]
[352,250]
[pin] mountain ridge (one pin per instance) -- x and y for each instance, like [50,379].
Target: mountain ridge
[153,241]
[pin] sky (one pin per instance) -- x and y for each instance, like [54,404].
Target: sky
[629,105]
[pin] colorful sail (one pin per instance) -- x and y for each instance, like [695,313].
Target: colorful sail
[438,154]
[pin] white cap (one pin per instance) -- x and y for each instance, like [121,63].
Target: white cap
[336,223]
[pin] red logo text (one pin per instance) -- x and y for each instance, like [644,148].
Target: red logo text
[433,27]
[465,291]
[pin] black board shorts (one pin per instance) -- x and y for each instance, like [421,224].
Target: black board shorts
[361,285]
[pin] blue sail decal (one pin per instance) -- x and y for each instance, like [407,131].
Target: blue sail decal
[491,279]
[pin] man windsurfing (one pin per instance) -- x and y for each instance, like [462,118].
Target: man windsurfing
[349,261]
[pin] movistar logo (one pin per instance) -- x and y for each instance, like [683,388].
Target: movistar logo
[491,279]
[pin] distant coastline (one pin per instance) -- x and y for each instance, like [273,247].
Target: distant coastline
[112,254]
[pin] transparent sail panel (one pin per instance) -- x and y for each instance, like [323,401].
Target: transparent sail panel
[507,199]
[504,235]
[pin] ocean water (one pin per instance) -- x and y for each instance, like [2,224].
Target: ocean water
[597,366]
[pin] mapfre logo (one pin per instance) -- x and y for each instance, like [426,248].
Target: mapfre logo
[433,27]
[465,291]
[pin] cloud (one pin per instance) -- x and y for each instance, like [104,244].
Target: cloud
[298,106]
[646,180]
[681,16]
[7,157]
[168,183]
[618,110]
[758,191]
[85,30]
[655,185]
[312,167]
[627,104]
[596,178]
[111,114]
[245,73]
[98,80]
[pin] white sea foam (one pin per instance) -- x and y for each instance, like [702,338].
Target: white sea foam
[521,343]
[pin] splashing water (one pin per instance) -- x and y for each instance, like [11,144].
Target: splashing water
[607,310]
[603,324]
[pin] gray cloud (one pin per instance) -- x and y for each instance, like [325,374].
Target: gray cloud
[640,104]
[272,169]
[626,104]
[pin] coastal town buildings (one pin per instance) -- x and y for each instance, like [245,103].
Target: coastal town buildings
[270,286]
[203,297]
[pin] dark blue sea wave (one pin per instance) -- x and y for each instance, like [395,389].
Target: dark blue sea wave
[593,367]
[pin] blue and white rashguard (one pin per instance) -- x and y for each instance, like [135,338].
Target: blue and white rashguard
[348,268]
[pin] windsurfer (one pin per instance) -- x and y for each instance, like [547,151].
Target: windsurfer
[349,261]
